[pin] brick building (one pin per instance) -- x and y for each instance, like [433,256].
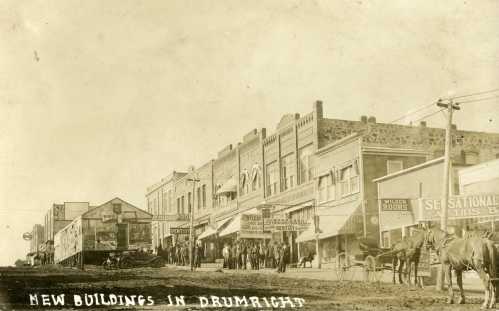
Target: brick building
[284,172]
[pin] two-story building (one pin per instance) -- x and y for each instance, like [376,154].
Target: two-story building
[314,166]
[161,203]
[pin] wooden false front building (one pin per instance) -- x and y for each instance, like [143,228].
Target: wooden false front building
[114,226]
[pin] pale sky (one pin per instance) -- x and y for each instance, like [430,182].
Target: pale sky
[100,99]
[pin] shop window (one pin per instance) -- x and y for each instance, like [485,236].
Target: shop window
[393,166]
[304,167]
[287,172]
[271,175]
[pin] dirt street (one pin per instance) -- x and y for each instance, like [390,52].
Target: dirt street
[164,284]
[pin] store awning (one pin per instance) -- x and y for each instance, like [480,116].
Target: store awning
[234,226]
[206,233]
[228,187]
[334,221]
[211,230]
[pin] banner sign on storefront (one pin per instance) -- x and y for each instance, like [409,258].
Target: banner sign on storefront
[465,206]
[396,205]
[184,231]
[252,227]
[286,224]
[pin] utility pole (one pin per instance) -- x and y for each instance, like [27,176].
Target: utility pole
[191,227]
[450,106]
[317,233]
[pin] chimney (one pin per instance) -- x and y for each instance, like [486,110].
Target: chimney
[454,127]
[422,123]
[371,119]
[363,119]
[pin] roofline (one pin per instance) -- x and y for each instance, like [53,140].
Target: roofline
[168,179]
[392,150]
[338,143]
[120,200]
[410,169]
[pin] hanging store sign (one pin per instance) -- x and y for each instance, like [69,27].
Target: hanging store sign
[394,205]
[180,231]
[465,206]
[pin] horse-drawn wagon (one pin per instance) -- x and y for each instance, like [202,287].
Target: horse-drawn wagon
[370,258]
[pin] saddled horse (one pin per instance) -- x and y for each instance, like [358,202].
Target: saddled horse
[458,254]
[406,252]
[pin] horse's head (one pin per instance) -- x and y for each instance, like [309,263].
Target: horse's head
[434,237]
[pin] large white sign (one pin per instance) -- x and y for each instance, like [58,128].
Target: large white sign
[465,206]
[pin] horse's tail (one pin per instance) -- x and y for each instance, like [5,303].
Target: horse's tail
[492,258]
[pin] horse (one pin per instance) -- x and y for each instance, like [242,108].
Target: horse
[305,259]
[406,252]
[458,254]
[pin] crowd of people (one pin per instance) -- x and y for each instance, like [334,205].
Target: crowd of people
[244,254]
[178,254]
[240,254]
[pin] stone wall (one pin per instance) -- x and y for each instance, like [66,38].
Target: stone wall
[413,137]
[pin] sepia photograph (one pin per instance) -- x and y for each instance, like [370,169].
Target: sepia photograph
[249,155]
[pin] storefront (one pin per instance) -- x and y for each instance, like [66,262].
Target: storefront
[336,231]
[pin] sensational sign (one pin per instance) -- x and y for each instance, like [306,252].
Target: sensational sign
[465,206]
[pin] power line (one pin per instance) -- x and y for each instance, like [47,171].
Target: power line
[428,115]
[477,100]
[471,94]
[412,112]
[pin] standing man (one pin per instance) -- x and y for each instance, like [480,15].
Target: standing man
[226,255]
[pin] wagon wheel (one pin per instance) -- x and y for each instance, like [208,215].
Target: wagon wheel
[373,271]
[343,268]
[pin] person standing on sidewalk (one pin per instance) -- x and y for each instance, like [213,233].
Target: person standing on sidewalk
[226,255]
[276,256]
[244,254]
[282,259]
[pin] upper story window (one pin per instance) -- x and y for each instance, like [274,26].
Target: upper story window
[164,206]
[271,176]
[199,197]
[255,178]
[304,164]
[287,172]
[393,166]
[203,189]
[149,206]
[349,179]
[327,188]
[182,203]
[170,207]
[189,202]
[178,206]
[155,206]
[245,181]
